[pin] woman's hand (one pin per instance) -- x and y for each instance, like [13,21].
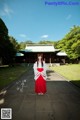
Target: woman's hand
[43,74]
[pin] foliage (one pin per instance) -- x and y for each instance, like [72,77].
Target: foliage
[71,43]
[7,51]
[23,44]
[3,28]
[46,42]
[15,43]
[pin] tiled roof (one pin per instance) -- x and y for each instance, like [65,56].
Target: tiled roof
[61,53]
[40,48]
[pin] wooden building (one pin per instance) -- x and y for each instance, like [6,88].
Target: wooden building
[50,54]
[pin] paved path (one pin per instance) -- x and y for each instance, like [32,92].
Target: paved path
[61,102]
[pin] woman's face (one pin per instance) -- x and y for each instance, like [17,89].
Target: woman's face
[39,57]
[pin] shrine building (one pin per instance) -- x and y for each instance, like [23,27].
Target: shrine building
[50,54]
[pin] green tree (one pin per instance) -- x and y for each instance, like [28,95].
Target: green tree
[7,51]
[46,42]
[23,44]
[71,43]
[15,43]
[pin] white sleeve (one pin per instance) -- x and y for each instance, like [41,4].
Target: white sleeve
[36,72]
[35,67]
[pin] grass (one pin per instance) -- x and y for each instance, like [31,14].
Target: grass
[9,74]
[71,72]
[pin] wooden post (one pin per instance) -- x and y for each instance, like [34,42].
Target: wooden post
[50,60]
[0,61]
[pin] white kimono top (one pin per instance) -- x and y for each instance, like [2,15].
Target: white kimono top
[37,73]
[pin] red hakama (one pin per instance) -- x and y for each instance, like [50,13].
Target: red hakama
[40,83]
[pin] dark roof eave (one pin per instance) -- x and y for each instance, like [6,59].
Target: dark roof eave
[38,51]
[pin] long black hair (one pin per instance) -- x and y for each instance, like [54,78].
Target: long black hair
[41,60]
[41,63]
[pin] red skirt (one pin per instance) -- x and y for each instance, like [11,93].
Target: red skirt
[40,83]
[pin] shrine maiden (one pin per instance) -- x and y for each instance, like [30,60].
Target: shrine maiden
[40,75]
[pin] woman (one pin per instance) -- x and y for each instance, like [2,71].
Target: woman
[40,75]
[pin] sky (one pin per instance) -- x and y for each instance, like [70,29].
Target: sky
[38,20]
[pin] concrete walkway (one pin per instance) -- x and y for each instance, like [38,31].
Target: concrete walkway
[61,102]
